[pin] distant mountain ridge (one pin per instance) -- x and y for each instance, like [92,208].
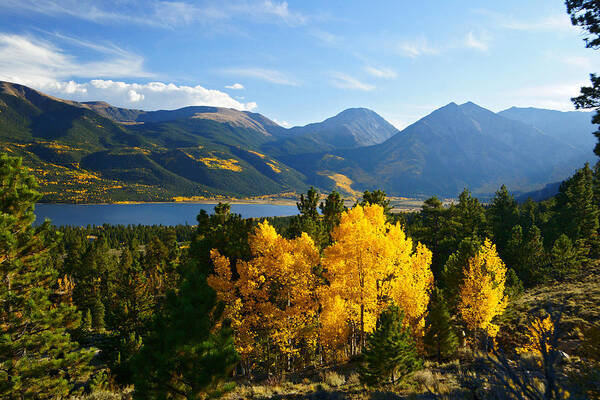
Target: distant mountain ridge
[93,151]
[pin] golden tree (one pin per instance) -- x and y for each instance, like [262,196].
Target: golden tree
[482,291]
[539,334]
[274,295]
[369,263]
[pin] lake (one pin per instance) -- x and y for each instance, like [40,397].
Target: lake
[147,213]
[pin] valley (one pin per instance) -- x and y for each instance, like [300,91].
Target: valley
[94,152]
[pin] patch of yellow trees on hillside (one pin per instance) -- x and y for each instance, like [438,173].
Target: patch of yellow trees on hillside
[293,300]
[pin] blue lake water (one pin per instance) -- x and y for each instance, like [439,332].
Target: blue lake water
[146,214]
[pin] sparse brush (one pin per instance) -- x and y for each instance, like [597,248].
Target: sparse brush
[334,379]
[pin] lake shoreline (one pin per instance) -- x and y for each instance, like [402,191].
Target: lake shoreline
[209,201]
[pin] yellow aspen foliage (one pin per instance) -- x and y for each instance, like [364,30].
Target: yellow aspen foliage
[412,288]
[539,333]
[482,291]
[370,263]
[275,294]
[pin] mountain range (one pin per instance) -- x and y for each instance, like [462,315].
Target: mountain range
[93,151]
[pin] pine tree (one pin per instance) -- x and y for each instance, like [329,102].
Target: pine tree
[332,211]
[453,272]
[525,254]
[468,217]
[577,212]
[564,257]
[376,197]
[308,221]
[391,352]
[184,356]
[434,232]
[503,215]
[224,231]
[535,260]
[38,359]
[440,340]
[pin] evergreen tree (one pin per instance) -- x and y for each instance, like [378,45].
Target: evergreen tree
[308,204]
[185,355]
[434,232]
[376,197]
[453,272]
[586,14]
[577,212]
[535,261]
[514,285]
[564,257]
[38,359]
[440,339]
[309,220]
[224,231]
[391,353]
[526,255]
[503,215]
[332,211]
[468,217]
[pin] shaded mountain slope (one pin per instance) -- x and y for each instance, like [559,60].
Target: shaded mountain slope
[352,128]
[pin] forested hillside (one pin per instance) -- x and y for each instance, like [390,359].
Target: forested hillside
[406,303]
[90,152]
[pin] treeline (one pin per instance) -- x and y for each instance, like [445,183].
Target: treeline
[173,311]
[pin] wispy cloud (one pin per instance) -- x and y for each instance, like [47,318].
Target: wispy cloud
[558,22]
[235,86]
[478,42]
[285,124]
[422,47]
[44,66]
[267,75]
[160,13]
[417,47]
[326,38]
[585,63]
[383,72]
[344,81]
[552,96]
[32,60]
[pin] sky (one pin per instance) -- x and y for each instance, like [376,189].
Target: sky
[301,61]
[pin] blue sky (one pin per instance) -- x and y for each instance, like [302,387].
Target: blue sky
[298,61]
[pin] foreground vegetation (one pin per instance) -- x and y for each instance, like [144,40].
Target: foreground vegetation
[356,303]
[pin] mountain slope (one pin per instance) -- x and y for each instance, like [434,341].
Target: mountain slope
[452,148]
[352,128]
[94,151]
[79,152]
[574,127]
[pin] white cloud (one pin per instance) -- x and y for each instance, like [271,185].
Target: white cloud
[556,97]
[235,86]
[285,124]
[158,13]
[416,48]
[267,75]
[478,43]
[43,66]
[584,63]
[32,61]
[385,73]
[558,22]
[550,23]
[134,96]
[280,10]
[146,96]
[344,81]
[326,38]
